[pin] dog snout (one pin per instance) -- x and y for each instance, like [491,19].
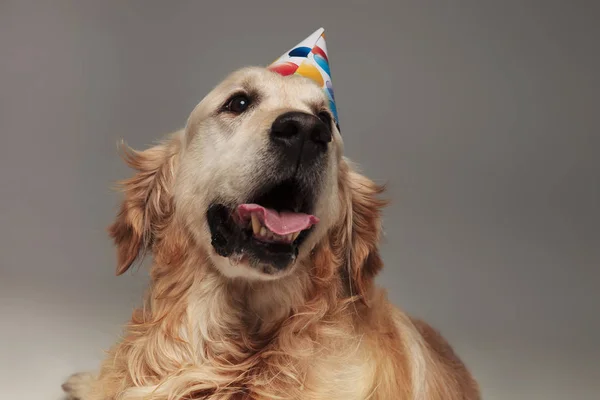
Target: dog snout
[301,134]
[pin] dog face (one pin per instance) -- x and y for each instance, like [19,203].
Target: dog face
[257,181]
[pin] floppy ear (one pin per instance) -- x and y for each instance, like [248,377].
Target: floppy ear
[362,229]
[148,204]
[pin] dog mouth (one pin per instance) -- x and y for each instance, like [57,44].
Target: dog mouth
[271,226]
[267,230]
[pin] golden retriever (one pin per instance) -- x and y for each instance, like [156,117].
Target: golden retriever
[264,241]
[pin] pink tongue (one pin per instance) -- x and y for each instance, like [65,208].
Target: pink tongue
[282,223]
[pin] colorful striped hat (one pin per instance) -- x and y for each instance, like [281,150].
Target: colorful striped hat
[309,59]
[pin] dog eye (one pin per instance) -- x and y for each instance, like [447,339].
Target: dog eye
[238,104]
[325,117]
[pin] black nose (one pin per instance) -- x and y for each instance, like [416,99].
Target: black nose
[297,129]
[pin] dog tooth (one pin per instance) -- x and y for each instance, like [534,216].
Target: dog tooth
[289,237]
[295,235]
[255,223]
[263,231]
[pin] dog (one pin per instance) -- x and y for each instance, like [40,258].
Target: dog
[264,240]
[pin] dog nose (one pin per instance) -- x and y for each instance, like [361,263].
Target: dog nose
[296,129]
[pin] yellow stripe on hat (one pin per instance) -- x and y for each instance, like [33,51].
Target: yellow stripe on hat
[308,70]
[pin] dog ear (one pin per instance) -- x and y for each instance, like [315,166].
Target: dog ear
[362,230]
[147,206]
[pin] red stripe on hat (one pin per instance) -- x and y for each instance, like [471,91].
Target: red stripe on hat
[284,68]
[319,51]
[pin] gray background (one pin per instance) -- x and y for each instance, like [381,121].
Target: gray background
[482,116]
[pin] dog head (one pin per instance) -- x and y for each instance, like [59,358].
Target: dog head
[256,180]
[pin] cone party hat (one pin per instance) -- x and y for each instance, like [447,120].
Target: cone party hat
[309,59]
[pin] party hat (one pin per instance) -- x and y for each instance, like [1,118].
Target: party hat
[309,59]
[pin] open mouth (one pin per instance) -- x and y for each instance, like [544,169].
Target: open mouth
[271,226]
[267,230]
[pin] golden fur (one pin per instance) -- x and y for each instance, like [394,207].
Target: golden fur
[210,329]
